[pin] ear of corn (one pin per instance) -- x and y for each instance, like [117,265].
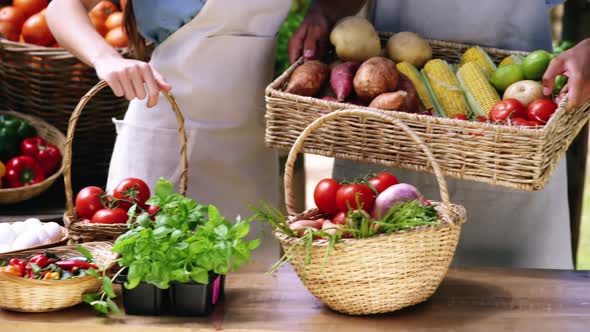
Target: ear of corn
[478,55]
[444,87]
[478,90]
[510,60]
[415,76]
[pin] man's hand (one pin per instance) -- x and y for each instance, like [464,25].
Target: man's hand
[575,64]
[311,38]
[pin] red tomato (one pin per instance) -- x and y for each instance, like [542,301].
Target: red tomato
[507,108]
[36,31]
[541,110]
[354,196]
[340,218]
[152,209]
[459,117]
[88,202]
[30,7]
[14,15]
[383,181]
[481,118]
[132,189]
[110,216]
[9,30]
[518,122]
[324,195]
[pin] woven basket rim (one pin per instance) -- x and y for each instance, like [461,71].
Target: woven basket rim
[57,173]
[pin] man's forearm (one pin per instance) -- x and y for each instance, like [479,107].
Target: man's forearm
[337,9]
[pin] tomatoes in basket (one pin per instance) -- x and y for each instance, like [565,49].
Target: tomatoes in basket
[9,30]
[110,216]
[88,202]
[355,196]
[383,181]
[14,15]
[132,190]
[541,110]
[114,20]
[507,108]
[324,195]
[117,38]
[103,10]
[30,7]
[36,31]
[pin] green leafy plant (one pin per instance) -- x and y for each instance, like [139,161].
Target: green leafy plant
[186,242]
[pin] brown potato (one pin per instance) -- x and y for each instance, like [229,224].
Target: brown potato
[308,79]
[375,76]
[389,101]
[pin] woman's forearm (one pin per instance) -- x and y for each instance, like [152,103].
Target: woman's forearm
[71,26]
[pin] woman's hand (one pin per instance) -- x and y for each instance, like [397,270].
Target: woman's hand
[575,64]
[131,78]
[311,38]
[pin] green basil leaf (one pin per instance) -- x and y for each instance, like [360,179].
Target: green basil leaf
[113,306]
[85,252]
[176,234]
[89,298]
[181,246]
[107,286]
[241,229]
[221,231]
[161,232]
[253,244]
[164,188]
[144,220]
[200,275]
[100,306]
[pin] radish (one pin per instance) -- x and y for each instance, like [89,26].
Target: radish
[300,226]
[397,193]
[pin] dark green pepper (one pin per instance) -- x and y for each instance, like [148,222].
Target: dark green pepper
[9,142]
[558,83]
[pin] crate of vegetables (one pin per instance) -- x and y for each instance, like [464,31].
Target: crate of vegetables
[370,246]
[30,156]
[52,279]
[40,78]
[93,214]
[480,109]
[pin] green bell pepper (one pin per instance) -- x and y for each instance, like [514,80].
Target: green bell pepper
[12,132]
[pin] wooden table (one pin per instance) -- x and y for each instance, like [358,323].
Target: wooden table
[468,300]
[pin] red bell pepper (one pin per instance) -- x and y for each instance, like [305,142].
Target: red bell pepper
[23,171]
[47,155]
[40,260]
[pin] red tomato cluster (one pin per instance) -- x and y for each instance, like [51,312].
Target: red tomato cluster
[94,205]
[512,112]
[337,199]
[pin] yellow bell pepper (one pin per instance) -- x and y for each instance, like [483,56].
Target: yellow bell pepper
[51,276]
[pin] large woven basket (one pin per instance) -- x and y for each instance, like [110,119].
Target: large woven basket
[78,230]
[515,157]
[382,273]
[31,295]
[50,134]
[48,83]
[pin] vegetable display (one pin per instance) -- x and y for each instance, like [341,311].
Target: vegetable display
[48,266]
[25,21]
[363,208]
[404,77]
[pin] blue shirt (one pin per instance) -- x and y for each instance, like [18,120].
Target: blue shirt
[158,19]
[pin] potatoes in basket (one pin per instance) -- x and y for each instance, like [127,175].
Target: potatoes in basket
[409,47]
[375,76]
[391,101]
[355,39]
[308,79]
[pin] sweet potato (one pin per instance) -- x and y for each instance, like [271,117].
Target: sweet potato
[375,76]
[308,79]
[389,101]
[412,102]
[341,79]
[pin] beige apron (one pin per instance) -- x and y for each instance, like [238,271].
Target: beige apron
[505,227]
[218,65]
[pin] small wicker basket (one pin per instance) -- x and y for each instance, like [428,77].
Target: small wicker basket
[515,157]
[79,231]
[31,295]
[383,273]
[50,134]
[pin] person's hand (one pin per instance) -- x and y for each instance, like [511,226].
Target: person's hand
[131,78]
[575,64]
[311,38]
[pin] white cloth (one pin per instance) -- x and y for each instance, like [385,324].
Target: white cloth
[218,65]
[504,227]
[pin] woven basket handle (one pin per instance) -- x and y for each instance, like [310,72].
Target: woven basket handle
[70,137]
[298,145]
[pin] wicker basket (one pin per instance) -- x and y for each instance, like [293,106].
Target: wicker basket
[48,83]
[382,273]
[51,135]
[31,295]
[79,231]
[515,157]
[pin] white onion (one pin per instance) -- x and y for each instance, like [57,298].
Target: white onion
[19,227]
[54,230]
[43,236]
[7,235]
[5,248]
[26,240]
